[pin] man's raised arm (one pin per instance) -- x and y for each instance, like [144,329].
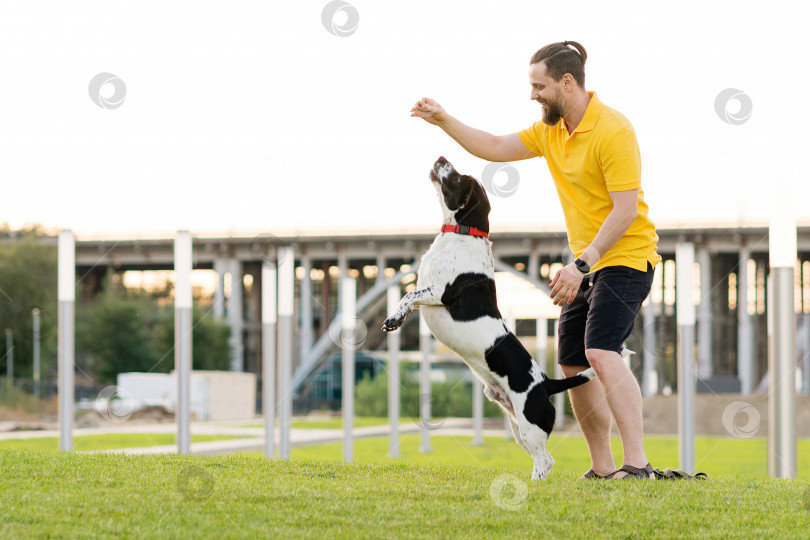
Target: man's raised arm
[478,143]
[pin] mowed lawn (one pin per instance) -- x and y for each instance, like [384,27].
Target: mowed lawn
[107,441]
[456,491]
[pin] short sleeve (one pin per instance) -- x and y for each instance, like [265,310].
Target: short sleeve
[620,160]
[532,138]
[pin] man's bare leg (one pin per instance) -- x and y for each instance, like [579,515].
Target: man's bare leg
[592,413]
[623,396]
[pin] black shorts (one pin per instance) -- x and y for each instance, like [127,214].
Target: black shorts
[602,313]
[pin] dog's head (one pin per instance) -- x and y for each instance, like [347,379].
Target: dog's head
[462,197]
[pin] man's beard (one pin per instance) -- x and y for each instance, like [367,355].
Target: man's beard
[552,111]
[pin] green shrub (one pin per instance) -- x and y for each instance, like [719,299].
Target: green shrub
[452,398]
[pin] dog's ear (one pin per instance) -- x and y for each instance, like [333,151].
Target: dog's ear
[458,191]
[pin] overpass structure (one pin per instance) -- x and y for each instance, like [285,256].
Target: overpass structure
[730,293]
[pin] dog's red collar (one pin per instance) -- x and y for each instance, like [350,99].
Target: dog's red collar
[463,229]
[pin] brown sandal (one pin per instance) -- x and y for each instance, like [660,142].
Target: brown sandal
[634,472]
[591,475]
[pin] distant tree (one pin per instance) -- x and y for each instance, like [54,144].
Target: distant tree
[28,281]
[210,347]
[113,331]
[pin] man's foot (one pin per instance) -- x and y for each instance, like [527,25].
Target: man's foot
[628,471]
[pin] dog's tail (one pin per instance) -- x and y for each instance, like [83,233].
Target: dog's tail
[555,386]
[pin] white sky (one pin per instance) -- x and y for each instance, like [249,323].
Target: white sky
[245,117]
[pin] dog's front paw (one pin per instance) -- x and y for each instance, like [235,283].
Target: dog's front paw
[391,324]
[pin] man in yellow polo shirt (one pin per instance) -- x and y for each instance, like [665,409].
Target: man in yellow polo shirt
[593,157]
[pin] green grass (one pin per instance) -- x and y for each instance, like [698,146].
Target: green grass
[714,455]
[104,442]
[359,421]
[336,422]
[51,494]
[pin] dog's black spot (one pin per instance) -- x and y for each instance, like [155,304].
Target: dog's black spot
[538,409]
[508,358]
[471,296]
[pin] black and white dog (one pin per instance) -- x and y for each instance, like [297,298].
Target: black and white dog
[456,292]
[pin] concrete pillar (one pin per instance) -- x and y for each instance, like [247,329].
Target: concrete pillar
[704,315]
[380,268]
[235,315]
[533,270]
[221,268]
[649,374]
[745,338]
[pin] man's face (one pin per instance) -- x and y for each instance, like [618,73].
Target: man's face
[547,92]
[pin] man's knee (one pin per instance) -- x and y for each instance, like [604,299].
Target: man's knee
[570,371]
[602,360]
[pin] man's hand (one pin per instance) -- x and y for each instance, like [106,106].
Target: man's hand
[565,285]
[429,111]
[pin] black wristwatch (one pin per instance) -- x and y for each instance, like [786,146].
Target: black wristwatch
[582,266]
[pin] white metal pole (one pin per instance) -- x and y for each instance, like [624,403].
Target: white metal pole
[424,384]
[782,358]
[286,302]
[393,373]
[806,356]
[37,337]
[705,368]
[269,310]
[478,411]
[684,261]
[348,345]
[182,337]
[67,297]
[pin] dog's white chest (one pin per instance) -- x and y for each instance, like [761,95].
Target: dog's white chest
[453,254]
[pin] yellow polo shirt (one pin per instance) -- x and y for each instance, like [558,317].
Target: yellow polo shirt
[599,157]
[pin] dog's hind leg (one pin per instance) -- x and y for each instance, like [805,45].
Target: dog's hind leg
[536,420]
[501,398]
[429,296]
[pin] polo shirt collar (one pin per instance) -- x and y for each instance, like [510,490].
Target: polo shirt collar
[592,113]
